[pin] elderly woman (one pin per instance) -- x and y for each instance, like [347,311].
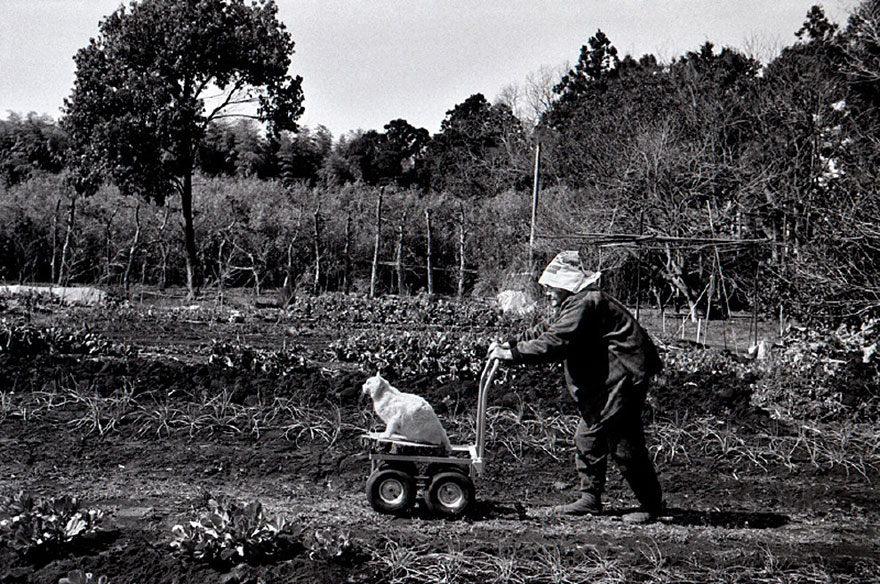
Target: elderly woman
[609,360]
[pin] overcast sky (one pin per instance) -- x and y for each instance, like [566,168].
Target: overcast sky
[367,62]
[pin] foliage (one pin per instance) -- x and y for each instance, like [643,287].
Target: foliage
[824,376]
[30,146]
[32,525]
[481,150]
[405,354]
[141,85]
[229,533]
[244,357]
[416,312]
[776,159]
[395,156]
[20,341]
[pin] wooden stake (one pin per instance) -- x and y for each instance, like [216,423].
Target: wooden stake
[346,253]
[399,259]
[534,208]
[375,270]
[430,258]
[316,288]
[461,250]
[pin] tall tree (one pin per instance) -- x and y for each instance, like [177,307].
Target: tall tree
[138,107]
[480,151]
[302,155]
[28,146]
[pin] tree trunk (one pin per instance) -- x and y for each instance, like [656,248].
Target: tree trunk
[64,272]
[54,267]
[257,274]
[126,285]
[189,235]
[675,277]
[108,249]
[221,272]
[163,269]
[430,258]
[375,270]
[289,286]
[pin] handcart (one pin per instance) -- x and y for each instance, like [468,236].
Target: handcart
[403,471]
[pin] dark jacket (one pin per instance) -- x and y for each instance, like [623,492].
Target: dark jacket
[608,356]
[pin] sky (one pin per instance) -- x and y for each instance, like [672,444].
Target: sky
[367,62]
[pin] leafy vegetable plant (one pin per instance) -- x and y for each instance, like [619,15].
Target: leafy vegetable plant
[31,525]
[229,533]
[329,545]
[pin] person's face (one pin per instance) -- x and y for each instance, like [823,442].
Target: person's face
[556,296]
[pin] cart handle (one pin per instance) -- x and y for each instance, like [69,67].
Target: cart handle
[485,382]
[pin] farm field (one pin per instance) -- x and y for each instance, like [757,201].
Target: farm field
[164,413]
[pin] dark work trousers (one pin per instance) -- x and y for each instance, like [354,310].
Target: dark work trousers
[619,435]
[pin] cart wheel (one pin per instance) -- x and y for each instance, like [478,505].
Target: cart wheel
[450,493]
[391,491]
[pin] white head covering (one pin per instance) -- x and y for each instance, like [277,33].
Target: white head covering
[565,272]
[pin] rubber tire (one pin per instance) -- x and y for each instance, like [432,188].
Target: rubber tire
[450,494]
[391,491]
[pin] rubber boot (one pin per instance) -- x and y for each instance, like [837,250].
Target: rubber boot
[588,504]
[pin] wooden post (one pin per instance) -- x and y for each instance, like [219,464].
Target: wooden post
[375,270]
[639,265]
[534,208]
[399,259]
[461,250]
[430,258]
[316,288]
[346,253]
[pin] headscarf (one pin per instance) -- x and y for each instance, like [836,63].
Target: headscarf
[565,272]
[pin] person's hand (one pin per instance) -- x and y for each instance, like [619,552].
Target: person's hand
[500,351]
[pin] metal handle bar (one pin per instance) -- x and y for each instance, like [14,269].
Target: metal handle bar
[485,382]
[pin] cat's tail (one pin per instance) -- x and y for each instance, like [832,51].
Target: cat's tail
[444,440]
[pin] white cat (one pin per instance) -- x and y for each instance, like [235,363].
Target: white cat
[406,414]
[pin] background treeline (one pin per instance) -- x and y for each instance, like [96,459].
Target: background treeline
[714,181]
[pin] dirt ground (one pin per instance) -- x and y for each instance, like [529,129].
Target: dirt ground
[723,520]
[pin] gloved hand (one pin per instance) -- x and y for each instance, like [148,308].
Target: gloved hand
[500,351]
